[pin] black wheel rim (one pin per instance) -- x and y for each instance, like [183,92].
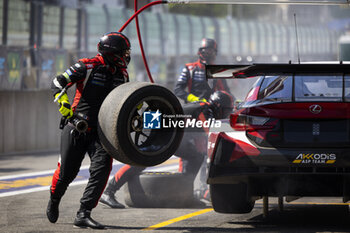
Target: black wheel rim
[150,142]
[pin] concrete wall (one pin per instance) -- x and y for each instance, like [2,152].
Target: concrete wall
[28,121]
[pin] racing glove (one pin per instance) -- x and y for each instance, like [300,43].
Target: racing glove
[65,108]
[192,98]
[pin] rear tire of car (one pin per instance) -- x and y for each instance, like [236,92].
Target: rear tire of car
[159,190]
[231,198]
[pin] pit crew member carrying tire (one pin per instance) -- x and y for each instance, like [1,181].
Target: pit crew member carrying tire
[94,78]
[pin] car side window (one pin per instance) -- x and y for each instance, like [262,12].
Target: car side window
[277,88]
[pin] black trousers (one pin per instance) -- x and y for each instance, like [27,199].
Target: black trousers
[192,153]
[73,150]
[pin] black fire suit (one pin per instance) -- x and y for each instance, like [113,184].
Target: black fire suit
[193,147]
[94,80]
[194,80]
[191,151]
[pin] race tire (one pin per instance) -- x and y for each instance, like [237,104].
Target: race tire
[159,190]
[120,124]
[231,198]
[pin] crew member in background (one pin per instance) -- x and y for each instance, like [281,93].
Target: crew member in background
[192,150]
[192,84]
[94,78]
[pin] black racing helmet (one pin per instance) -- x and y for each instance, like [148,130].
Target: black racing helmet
[115,48]
[221,103]
[207,50]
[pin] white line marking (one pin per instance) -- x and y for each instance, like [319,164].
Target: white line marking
[37,189]
[47,172]
[51,171]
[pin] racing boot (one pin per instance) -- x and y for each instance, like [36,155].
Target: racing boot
[84,220]
[108,196]
[52,211]
[108,199]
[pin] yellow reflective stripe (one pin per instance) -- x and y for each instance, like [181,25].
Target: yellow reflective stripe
[66,76]
[163,224]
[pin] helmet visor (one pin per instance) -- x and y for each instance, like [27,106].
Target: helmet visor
[121,58]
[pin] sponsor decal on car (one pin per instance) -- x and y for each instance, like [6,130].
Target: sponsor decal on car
[304,158]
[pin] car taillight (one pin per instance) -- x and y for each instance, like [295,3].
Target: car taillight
[241,122]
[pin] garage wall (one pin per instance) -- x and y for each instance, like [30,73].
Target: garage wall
[28,121]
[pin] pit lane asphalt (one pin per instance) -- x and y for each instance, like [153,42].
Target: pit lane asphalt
[26,212]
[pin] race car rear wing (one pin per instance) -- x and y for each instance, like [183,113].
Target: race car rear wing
[253,70]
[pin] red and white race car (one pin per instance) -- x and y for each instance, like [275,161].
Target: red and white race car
[289,137]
